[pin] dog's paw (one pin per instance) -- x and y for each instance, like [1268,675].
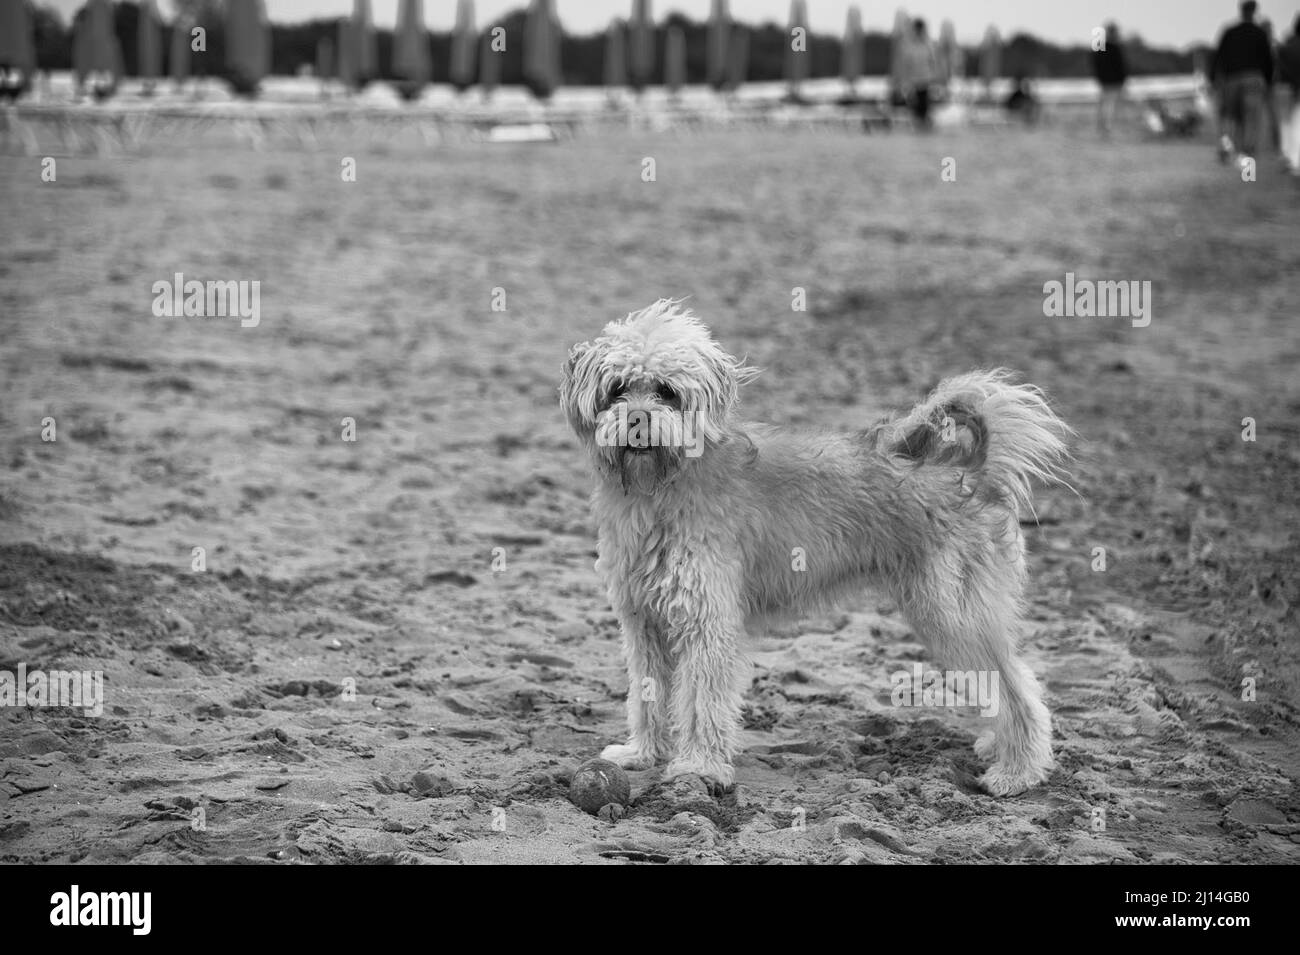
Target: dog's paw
[628,756]
[1002,780]
[984,746]
[688,788]
[717,776]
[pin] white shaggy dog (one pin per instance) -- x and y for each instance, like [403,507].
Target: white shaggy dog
[699,514]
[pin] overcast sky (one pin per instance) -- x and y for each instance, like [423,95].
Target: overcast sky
[1160,22]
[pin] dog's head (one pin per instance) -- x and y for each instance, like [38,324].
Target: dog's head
[651,395]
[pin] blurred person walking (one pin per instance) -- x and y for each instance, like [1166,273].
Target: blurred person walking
[918,72]
[1272,129]
[1111,70]
[1243,73]
[1022,103]
[1288,82]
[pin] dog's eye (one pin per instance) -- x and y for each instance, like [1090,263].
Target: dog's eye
[667,394]
[615,391]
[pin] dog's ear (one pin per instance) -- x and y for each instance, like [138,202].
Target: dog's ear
[577,388]
[719,390]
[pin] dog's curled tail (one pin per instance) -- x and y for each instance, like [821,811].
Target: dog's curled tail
[1004,433]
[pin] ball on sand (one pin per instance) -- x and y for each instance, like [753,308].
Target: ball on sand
[597,783]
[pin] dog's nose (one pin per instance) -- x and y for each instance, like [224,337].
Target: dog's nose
[638,433]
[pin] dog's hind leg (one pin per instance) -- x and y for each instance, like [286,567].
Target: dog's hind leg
[968,614]
[1022,736]
[649,680]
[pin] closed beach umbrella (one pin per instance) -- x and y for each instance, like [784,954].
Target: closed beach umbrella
[615,61]
[851,57]
[990,57]
[81,45]
[17,44]
[542,49]
[950,55]
[346,53]
[738,58]
[719,34]
[675,60]
[179,60]
[489,74]
[104,52]
[247,43]
[148,42]
[796,62]
[324,60]
[641,45]
[265,34]
[464,46]
[897,41]
[95,51]
[411,59]
[365,55]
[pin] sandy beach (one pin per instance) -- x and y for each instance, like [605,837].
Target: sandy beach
[398,650]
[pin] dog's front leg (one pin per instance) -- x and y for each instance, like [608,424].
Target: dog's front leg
[649,676]
[708,685]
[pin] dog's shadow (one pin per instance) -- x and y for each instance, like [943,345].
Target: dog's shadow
[879,747]
[665,799]
[865,747]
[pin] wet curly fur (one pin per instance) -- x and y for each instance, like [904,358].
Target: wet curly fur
[925,507]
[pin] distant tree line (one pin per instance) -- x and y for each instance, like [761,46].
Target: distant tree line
[294,46]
